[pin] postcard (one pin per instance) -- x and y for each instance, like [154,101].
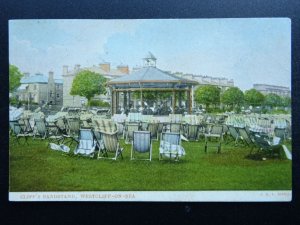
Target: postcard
[185,110]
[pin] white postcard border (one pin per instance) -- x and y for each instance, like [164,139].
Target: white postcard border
[155,196]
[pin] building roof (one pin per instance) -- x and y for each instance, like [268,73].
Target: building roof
[150,56]
[22,87]
[59,81]
[150,77]
[38,78]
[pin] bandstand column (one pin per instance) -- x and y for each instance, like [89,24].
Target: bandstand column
[180,98]
[190,100]
[113,101]
[125,100]
[173,101]
[117,100]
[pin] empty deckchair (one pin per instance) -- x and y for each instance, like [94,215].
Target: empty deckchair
[24,122]
[216,132]
[86,143]
[111,146]
[73,127]
[170,146]
[153,129]
[141,143]
[280,132]
[191,131]
[130,127]
[175,127]
[234,134]
[40,128]
[247,138]
[18,132]
[46,131]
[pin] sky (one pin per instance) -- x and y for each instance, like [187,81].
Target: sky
[249,50]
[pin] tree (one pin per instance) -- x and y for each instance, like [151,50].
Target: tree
[233,96]
[88,84]
[208,95]
[254,97]
[286,101]
[14,78]
[272,100]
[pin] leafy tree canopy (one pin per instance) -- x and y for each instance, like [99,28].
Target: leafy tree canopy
[88,84]
[254,97]
[232,96]
[286,101]
[207,95]
[14,78]
[152,95]
[273,100]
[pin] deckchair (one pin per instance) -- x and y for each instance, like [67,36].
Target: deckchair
[144,125]
[234,134]
[18,132]
[40,128]
[73,127]
[86,143]
[170,146]
[24,122]
[130,127]
[141,143]
[280,132]
[191,132]
[269,148]
[175,127]
[216,132]
[153,129]
[247,138]
[120,127]
[111,146]
[46,131]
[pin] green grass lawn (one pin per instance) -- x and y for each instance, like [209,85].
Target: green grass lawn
[33,167]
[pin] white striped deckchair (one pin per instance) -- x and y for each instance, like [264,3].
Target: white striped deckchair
[111,146]
[141,143]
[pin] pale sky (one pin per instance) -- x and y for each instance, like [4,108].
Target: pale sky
[246,50]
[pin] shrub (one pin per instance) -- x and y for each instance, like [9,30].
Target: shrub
[99,103]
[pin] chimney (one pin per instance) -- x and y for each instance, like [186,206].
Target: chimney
[77,67]
[65,70]
[123,69]
[50,77]
[105,67]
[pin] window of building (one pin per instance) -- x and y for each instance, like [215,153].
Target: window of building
[51,94]
[57,95]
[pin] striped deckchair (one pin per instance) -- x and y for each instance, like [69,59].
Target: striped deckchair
[141,143]
[111,146]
